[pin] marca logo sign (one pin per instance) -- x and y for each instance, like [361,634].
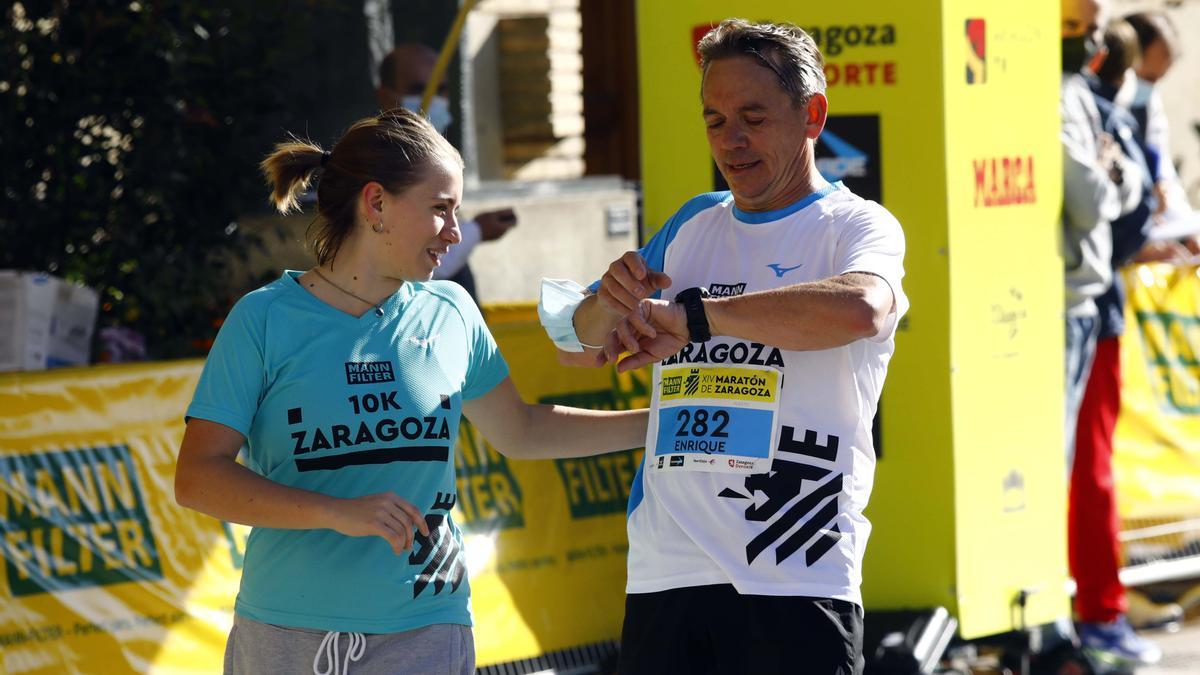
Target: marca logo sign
[848,151]
[74,519]
[976,30]
[1004,181]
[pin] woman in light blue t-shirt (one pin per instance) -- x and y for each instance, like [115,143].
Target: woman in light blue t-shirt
[344,385]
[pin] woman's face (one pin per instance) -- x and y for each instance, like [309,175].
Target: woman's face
[421,223]
[1156,61]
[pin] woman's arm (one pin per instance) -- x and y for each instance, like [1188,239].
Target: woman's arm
[524,431]
[209,479]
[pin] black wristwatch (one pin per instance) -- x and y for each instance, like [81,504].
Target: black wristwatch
[697,322]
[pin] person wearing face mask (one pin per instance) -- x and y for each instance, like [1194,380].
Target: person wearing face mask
[1094,194]
[403,75]
[341,388]
[1159,45]
[1100,184]
[1101,601]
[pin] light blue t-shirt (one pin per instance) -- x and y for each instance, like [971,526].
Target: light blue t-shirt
[347,407]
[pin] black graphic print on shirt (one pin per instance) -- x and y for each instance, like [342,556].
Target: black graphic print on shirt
[784,483]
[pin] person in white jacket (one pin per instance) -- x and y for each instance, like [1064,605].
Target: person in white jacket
[1099,184]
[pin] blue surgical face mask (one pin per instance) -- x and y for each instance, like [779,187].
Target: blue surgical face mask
[1141,96]
[438,113]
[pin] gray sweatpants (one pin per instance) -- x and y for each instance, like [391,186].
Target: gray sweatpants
[256,648]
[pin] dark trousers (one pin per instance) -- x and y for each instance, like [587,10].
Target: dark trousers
[714,629]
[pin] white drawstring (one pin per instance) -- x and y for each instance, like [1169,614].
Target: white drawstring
[329,649]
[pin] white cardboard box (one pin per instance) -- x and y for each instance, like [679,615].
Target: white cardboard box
[44,321]
[72,325]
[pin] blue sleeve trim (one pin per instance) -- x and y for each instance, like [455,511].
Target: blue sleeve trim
[655,250]
[636,491]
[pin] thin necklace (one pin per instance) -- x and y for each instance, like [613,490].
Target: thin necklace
[378,309]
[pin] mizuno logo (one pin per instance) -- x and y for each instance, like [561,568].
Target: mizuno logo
[423,341]
[780,270]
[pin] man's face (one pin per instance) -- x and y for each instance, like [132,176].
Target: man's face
[413,71]
[1083,18]
[760,140]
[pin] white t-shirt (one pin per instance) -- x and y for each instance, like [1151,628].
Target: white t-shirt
[798,529]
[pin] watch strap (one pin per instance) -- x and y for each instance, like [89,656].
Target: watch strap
[692,300]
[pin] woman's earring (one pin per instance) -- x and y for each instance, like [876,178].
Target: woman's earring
[378,227]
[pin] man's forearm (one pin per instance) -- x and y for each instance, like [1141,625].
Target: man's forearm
[810,316]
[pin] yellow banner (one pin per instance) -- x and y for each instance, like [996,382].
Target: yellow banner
[103,572]
[1156,453]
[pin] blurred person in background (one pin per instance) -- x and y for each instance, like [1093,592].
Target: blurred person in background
[1094,194]
[403,75]
[1159,45]
[1100,185]
[1093,524]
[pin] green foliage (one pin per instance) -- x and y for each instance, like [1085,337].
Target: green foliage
[129,138]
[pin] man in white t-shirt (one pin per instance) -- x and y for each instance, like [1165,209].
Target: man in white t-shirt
[746,524]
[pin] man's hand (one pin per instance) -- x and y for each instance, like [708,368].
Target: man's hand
[1167,251]
[627,282]
[654,330]
[1110,157]
[1160,196]
[494,224]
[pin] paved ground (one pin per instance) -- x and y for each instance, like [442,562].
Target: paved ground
[1181,650]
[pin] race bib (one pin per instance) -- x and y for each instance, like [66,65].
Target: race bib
[713,418]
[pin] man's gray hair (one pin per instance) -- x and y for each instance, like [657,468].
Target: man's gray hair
[782,47]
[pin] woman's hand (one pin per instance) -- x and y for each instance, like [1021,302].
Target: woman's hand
[385,514]
[209,479]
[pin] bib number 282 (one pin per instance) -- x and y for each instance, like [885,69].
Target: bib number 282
[701,423]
